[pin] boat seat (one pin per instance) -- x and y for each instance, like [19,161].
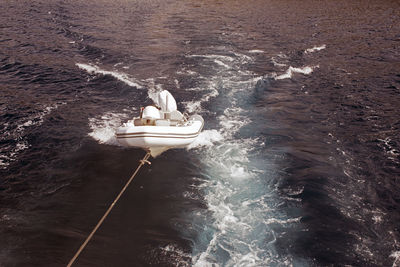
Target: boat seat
[138,122]
[176,116]
[162,123]
[144,122]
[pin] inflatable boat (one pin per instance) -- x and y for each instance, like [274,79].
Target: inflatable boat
[160,127]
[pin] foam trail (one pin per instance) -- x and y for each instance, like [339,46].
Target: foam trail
[241,203]
[218,59]
[195,105]
[119,76]
[219,62]
[314,49]
[289,73]
[256,51]
[277,64]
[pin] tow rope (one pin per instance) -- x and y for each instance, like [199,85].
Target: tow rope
[141,163]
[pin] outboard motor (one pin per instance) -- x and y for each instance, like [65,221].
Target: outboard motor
[166,101]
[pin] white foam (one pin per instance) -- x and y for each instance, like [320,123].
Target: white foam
[103,127]
[177,84]
[93,69]
[291,70]
[174,248]
[206,138]
[38,118]
[10,153]
[186,72]
[276,63]
[4,161]
[198,89]
[242,57]
[192,106]
[232,120]
[220,57]
[195,105]
[20,146]
[396,256]
[377,215]
[388,148]
[256,51]
[278,221]
[232,123]
[237,230]
[239,171]
[176,255]
[314,49]
[219,62]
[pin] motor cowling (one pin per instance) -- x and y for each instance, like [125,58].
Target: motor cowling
[166,101]
[151,112]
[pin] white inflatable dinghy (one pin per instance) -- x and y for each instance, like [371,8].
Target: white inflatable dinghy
[160,127]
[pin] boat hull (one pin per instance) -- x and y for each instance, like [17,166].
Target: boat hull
[160,136]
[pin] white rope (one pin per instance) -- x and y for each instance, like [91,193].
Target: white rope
[141,163]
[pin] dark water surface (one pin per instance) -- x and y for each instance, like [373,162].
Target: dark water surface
[298,165]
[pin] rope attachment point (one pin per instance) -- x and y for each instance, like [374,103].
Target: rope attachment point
[143,161]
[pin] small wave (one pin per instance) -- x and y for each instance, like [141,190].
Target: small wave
[220,57]
[186,72]
[93,69]
[195,105]
[289,73]
[277,64]
[256,51]
[314,49]
[219,62]
[280,60]
[242,57]
[9,153]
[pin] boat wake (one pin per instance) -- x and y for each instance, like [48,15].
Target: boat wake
[93,69]
[239,188]
[243,218]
